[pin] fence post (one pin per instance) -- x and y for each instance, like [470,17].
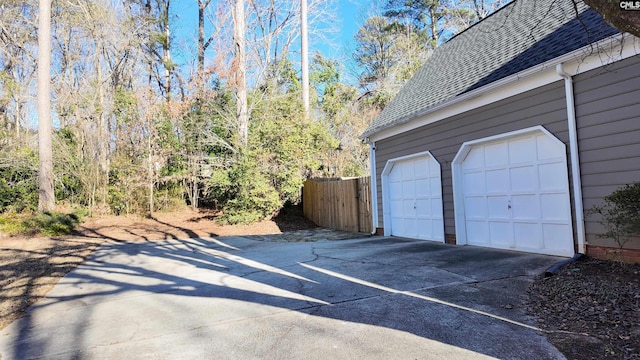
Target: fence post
[342,204]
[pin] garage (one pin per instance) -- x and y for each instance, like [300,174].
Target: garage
[512,192]
[412,197]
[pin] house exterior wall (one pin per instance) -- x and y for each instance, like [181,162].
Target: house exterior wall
[608,120]
[544,106]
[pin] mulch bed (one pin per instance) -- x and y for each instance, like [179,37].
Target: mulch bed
[591,308]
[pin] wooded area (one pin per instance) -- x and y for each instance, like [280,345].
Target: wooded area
[136,131]
[342,204]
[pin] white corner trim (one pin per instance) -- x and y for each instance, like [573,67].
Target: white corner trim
[456,174]
[604,52]
[386,209]
[575,157]
[374,187]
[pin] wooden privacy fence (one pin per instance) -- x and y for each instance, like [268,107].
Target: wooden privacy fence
[341,204]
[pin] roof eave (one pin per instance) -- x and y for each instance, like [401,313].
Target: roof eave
[496,84]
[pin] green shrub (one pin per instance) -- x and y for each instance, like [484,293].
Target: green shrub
[12,224]
[169,198]
[52,223]
[245,194]
[620,214]
[47,223]
[18,190]
[117,200]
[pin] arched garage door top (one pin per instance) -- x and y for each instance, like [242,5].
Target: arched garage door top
[412,197]
[511,191]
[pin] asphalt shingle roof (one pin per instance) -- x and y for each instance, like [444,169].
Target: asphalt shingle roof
[521,35]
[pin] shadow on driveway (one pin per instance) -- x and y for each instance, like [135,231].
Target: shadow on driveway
[231,298]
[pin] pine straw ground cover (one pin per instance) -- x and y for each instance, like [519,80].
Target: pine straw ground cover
[591,308]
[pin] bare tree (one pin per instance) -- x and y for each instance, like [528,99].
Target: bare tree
[18,69]
[46,198]
[202,44]
[625,20]
[305,56]
[240,68]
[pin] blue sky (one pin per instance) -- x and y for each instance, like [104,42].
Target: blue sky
[339,44]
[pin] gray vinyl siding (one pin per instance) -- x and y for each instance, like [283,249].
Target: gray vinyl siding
[544,106]
[608,119]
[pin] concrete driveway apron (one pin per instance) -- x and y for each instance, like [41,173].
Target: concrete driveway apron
[239,298]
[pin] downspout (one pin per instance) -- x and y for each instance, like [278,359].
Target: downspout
[575,160]
[374,187]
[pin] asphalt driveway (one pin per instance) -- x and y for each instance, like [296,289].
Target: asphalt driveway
[241,298]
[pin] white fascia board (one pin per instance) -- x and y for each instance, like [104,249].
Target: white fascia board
[604,52]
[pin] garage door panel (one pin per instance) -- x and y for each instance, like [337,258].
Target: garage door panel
[501,234]
[528,235]
[408,189]
[423,208]
[497,181]
[396,208]
[474,159]
[395,189]
[547,148]
[516,194]
[552,176]
[407,170]
[438,224]
[476,207]
[436,208]
[522,151]
[436,185]
[474,183]
[412,196]
[525,207]
[554,207]
[498,207]
[421,168]
[477,232]
[523,179]
[396,223]
[426,228]
[408,208]
[434,169]
[395,173]
[423,188]
[410,227]
[555,236]
[496,155]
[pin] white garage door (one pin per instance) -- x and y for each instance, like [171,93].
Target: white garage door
[516,195]
[415,198]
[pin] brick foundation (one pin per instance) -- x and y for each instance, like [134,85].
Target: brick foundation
[450,239]
[609,253]
[379,231]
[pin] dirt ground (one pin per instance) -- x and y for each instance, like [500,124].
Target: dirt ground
[591,309]
[30,267]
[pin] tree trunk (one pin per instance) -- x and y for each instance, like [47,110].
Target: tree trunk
[151,173]
[201,7]
[434,26]
[46,198]
[240,72]
[102,177]
[305,56]
[167,52]
[616,16]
